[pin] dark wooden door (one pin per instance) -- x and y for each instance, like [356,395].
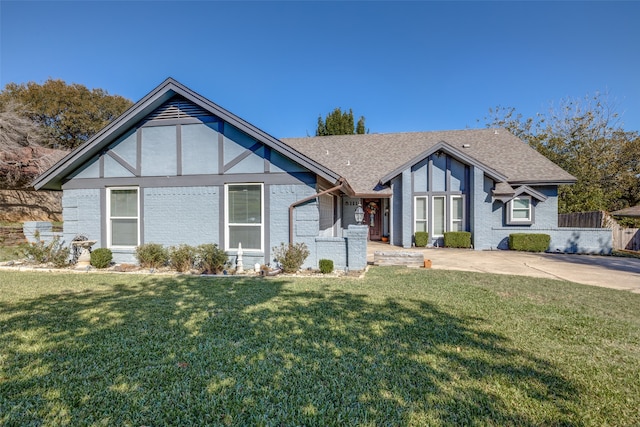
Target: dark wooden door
[373,217]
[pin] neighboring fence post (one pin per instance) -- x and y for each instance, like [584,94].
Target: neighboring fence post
[357,246]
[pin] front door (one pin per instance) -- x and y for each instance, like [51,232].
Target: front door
[373,217]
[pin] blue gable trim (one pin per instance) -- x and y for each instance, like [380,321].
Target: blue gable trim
[53,178]
[453,152]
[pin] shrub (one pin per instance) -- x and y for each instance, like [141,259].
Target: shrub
[41,252]
[529,242]
[326,266]
[457,239]
[152,255]
[421,238]
[101,257]
[291,256]
[182,258]
[210,258]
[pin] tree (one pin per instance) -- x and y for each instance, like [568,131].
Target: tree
[584,137]
[339,123]
[67,114]
[22,157]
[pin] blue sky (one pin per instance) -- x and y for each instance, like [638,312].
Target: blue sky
[405,66]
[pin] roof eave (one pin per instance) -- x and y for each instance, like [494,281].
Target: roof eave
[544,182]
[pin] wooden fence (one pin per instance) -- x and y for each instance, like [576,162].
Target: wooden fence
[626,238]
[622,238]
[595,219]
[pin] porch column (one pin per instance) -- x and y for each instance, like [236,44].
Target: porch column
[480,211]
[407,210]
[357,247]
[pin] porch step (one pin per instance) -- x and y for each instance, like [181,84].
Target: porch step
[406,258]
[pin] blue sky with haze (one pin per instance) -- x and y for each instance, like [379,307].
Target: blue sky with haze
[405,66]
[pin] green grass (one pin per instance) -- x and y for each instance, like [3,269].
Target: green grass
[401,347]
[9,253]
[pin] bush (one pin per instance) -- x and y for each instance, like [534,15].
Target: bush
[182,258]
[529,242]
[291,257]
[41,252]
[326,266]
[421,238]
[457,239]
[152,255]
[210,259]
[101,257]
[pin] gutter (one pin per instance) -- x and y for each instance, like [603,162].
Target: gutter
[341,183]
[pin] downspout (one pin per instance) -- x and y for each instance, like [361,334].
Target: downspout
[306,199]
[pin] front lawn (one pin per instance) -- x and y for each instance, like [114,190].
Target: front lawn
[400,347]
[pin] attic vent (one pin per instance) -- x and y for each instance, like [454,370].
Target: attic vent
[178,108]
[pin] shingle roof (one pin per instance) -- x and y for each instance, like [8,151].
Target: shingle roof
[364,159]
[633,211]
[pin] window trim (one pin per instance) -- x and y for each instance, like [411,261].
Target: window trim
[444,214]
[511,208]
[462,218]
[110,218]
[424,220]
[227,225]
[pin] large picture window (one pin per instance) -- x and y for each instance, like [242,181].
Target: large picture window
[123,213]
[244,216]
[447,214]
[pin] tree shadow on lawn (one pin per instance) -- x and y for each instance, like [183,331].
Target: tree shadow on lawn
[189,351]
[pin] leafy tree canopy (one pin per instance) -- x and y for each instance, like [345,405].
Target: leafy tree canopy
[22,156]
[584,137]
[340,123]
[68,114]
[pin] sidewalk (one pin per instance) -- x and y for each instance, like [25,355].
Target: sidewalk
[606,271]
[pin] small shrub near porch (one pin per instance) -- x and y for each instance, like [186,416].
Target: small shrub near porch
[101,257]
[326,266]
[152,255]
[291,256]
[421,239]
[529,242]
[457,239]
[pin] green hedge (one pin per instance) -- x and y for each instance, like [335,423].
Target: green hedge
[529,242]
[457,239]
[421,238]
[326,266]
[101,257]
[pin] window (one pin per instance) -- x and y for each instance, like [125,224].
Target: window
[520,210]
[421,214]
[243,217]
[443,217]
[123,213]
[456,213]
[439,216]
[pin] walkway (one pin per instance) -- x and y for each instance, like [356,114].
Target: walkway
[607,271]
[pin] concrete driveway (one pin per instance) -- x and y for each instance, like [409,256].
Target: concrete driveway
[607,271]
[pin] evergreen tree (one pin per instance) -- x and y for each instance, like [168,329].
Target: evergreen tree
[339,123]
